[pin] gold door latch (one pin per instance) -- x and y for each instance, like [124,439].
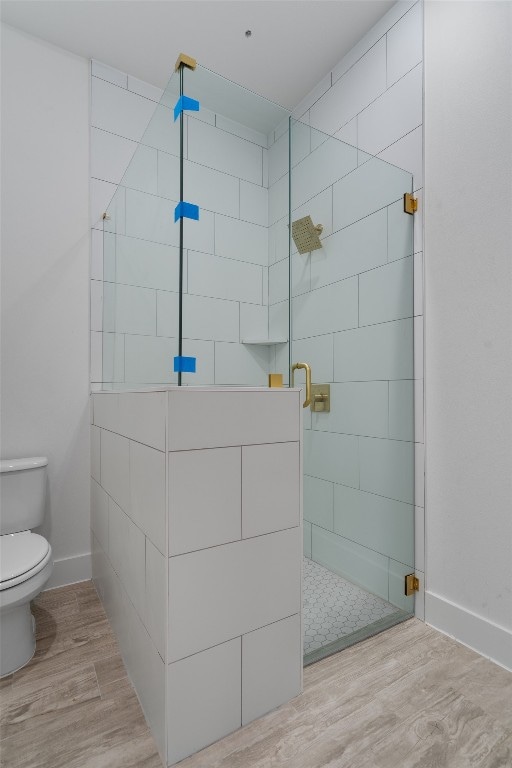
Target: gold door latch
[412,584]
[306,367]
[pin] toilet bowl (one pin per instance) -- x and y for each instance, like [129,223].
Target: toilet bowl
[25,558]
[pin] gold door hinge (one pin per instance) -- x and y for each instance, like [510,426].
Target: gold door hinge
[412,584]
[187,61]
[410,203]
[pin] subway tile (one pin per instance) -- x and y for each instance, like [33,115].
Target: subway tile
[401,410]
[357,408]
[397,574]
[348,133]
[141,173]
[307,538]
[369,188]
[331,456]
[318,503]
[245,365]
[301,142]
[127,552]
[119,111]
[110,155]
[115,221]
[253,322]
[278,322]
[233,589]
[113,357]
[221,278]
[386,293]
[224,152]
[270,488]
[241,240]
[419,427]
[162,132]
[95,453]
[278,241]
[418,347]
[204,499]
[419,475]
[279,278]
[357,88]
[400,232]
[359,564]
[156,596]
[99,513]
[144,89]
[204,115]
[104,72]
[372,521]
[278,199]
[318,353]
[203,318]
[312,97]
[387,468]
[211,190]
[101,194]
[106,411]
[96,299]
[237,129]
[152,218]
[320,169]
[394,114]
[265,168]
[115,467]
[211,707]
[376,352]
[141,417]
[97,254]
[129,309]
[149,360]
[405,44]
[327,309]
[254,203]
[226,418]
[320,210]
[278,154]
[146,264]
[271,667]
[355,249]
[407,153]
[147,492]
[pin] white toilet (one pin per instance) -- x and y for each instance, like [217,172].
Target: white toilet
[25,557]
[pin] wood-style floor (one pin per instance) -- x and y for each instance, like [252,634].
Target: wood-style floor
[408,698]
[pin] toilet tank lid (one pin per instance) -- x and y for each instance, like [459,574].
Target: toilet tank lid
[15,465]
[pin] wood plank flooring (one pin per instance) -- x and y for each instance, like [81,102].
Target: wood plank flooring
[408,698]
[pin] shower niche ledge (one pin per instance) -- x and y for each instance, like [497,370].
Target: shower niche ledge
[196,518]
[265,342]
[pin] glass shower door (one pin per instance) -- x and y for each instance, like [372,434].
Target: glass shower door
[352,322]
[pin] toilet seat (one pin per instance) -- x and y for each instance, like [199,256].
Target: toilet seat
[22,555]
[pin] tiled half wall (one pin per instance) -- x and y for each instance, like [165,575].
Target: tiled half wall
[197,548]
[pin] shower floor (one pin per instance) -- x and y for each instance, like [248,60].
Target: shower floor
[338,613]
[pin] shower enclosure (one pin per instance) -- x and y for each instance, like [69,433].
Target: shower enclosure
[204,285]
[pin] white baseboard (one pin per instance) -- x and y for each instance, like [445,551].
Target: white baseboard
[70,570]
[487,638]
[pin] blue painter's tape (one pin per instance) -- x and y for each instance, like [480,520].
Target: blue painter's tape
[186,211]
[183,103]
[184,364]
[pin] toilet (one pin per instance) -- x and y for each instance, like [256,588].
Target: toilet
[25,557]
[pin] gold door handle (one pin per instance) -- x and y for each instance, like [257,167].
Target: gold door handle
[306,367]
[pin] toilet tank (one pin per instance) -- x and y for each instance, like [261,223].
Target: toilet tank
[22,493]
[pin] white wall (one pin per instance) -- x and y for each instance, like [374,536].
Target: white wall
[45,268]
[468,237]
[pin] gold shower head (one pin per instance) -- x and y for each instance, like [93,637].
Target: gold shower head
[306,235]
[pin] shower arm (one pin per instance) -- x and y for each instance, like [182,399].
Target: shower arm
[307,368]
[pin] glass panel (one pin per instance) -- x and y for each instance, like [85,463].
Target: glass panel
[352,322]
[140,262]
[232,165]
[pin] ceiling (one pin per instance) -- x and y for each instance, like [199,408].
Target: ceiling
[293,45]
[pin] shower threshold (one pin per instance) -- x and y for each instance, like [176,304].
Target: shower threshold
[338,614]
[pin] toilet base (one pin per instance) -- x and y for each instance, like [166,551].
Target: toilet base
[18,638]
